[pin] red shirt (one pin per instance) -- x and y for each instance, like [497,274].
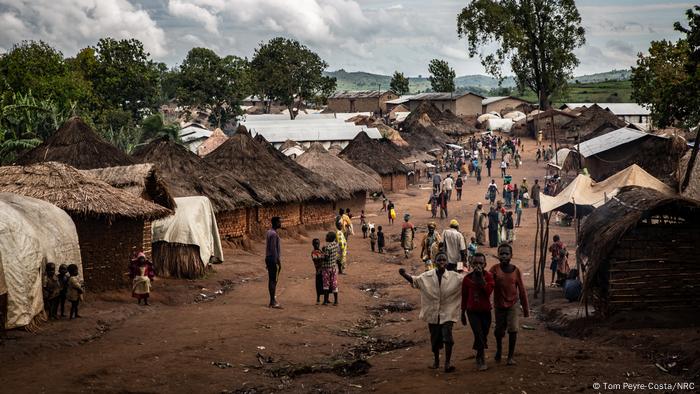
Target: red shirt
[509,288]
[476,297]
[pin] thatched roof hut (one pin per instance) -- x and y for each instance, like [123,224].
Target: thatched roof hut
[337,171]
[260,171]
[693,189]
[141,180]
[636,245]
[592,122]
[365,150]
[391,134]
[186,174]
[214,141]
[76,193]
[445,121]
[79,146]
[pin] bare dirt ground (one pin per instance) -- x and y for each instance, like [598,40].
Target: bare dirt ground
[217,334]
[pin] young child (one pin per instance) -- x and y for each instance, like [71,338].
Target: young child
[329,269]
[380,239]
[363,223]
[75,291]
[471,249]
[51,290]
[63,278]
[141,285]
[372,238]
[317,258]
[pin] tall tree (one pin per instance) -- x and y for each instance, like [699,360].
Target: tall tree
[442,77]
[207,81]
[286,71]
[399,84]
[537,36]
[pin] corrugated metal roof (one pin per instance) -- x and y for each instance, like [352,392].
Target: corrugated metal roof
[302,116]
[356,94]
[610,140]
[491,100]
[441,96]
[307,130]
[401,100]
[192,133]
[619,109]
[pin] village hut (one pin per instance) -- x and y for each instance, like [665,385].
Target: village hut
[79,146]
[391,134]
[186,175]
[422,134]
[640,251]
[592,122]
[185,244]
[566,161]
[365,150]
[693,189]
[110,222]
[342,174]
[280,191]
[141,180]
[335,149]
[214,141]
[34,232]
[320,208]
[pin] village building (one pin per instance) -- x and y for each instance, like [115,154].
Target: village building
[591,122]
[547,121]
[460,104]
[111,223]
[193,135]
[628,112]
[501,103]
[371,153]
[214,141]
[372,101]
[400,103]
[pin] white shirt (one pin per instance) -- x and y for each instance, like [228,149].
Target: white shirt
[504,164]
[447,183]
[454,243]
[440,302]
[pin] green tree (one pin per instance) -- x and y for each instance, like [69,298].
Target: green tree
[399,84]
[209,82]
[286,71]
[154,127]
[537,36]
[442,77]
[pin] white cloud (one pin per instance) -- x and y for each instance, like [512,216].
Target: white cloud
[195,12]
[73,24]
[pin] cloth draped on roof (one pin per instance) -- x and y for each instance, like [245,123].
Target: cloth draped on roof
[32,233]
[337,171]
[141,180]
[371,153]
[79,146]
[76,193]
[187,174]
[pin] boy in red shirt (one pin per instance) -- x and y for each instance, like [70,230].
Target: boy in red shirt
[508,290]
[477,287]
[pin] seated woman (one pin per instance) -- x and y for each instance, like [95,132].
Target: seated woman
[572,286]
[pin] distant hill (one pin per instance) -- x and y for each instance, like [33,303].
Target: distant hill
[359,80]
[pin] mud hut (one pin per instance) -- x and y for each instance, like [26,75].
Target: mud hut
[79,146]
[214,141]
[110,222]
[141,180]
[592,122]
[354,182]
[271,182]
[641,254]
[186,175]
[367,151]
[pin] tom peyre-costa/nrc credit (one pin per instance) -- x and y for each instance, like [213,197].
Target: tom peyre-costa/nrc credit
[650,386]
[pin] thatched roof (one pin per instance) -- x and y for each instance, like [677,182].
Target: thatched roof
[186,174]
[214,141]
[391,134]
[266,176]
[79,146]
[335,149]
[141,180]
[321,187]
[605,226]
[337,171]
[288,144]
[76,193]
[693,189]
[445,121]
[363,149]
[592,122]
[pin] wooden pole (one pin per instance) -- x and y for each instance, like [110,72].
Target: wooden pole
[544,256]
[576,222]
[534,253]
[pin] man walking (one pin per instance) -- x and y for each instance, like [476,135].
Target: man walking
[535,195]
[437,180]
[441,296]
[455,246]
[447,185]
[477,223]
[272,259]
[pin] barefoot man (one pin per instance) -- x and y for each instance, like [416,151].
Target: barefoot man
[440,296]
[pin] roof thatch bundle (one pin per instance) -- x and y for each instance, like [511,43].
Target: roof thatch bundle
[605,226]
[186,174]
[76,193]
[288,144]
[363,149]
[141,180]
[335,149]
[592,122]
[214,141]
[322,188]
[79,146]
[266,176]
[337,171]
[391,134]
[445,121]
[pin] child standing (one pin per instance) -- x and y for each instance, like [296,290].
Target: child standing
[63,278]
[380,239]
[141,285]
[329,269]
[317,258]
[75,291]
[51,290]
[471,249]
[372,239]
[363,224]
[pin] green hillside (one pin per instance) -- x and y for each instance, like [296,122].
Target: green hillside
[601,92]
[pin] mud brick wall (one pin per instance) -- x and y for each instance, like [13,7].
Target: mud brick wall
[290,214]
[233,224]
[356,204]
[106,250]
[398,182]
[317,212]
[147,246]
[386,183]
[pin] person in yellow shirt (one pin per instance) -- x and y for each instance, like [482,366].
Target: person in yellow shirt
[343,245]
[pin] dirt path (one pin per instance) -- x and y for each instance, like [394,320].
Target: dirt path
[217,335]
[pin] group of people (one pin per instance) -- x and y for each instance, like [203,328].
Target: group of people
[59,287]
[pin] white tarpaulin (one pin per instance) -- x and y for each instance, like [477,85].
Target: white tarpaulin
[32,233]
[499,124]
[194,223]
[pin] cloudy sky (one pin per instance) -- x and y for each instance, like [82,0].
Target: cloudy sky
[377,36]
